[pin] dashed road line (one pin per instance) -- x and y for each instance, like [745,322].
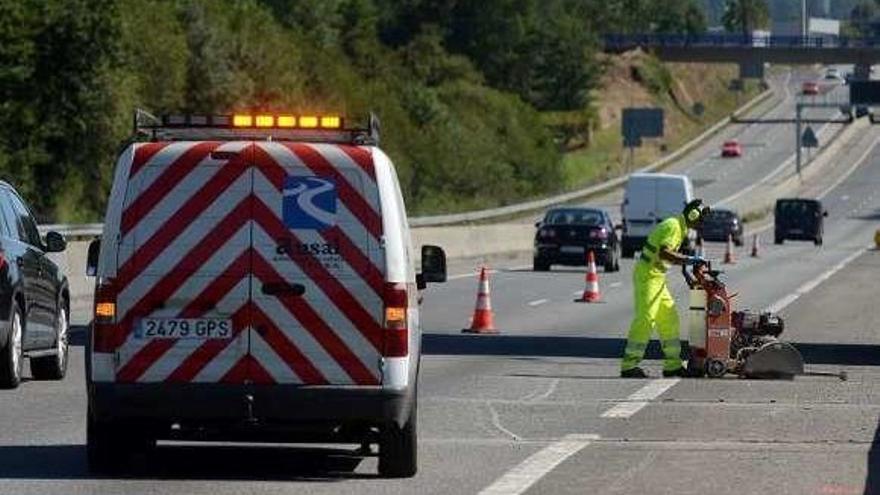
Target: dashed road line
[812,284]
[538,302]
[641,398]
[522,477]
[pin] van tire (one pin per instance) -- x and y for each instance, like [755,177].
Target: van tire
[109,445]
[778,240]
[11,356]
[105,450]
[540,266]
[54,367]
[398,448]
[627,252]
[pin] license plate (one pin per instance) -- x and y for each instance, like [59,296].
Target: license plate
[185,328]
[572,249]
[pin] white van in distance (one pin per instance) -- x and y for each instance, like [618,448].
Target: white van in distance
[255,282]
[649,199]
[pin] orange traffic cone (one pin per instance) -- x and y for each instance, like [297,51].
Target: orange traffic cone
[591,291]
[755,246]
[729,258]
[483,321]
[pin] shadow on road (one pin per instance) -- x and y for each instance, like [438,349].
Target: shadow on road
[872,483]
[187,462]
[612,348]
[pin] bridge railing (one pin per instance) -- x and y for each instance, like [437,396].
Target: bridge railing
[615,42]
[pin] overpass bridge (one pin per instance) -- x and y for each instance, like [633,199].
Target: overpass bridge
[735,48]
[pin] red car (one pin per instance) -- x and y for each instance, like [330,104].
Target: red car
[731,148]
[810,88]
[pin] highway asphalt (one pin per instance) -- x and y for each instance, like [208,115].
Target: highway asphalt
[523,411]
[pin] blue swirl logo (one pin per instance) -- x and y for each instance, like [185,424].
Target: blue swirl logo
[309,202]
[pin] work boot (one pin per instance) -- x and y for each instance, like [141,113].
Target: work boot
[680,373]
[633,373]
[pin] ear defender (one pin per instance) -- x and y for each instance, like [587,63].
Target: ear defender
[694,210]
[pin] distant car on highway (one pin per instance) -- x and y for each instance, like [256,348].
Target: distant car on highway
[731,148]
[566,235]
[810,88]
[833,74]
[799,219]
[720,224]
[34,296]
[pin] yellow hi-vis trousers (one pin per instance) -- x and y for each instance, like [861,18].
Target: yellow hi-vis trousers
[653,306]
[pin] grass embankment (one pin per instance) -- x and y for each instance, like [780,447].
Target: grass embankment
[638,80]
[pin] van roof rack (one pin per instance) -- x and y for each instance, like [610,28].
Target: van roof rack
[256,126]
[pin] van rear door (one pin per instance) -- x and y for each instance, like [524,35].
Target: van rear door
[640,205]
[318,267]
[671,197]
[183,276]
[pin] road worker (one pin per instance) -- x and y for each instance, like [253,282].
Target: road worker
[654,305]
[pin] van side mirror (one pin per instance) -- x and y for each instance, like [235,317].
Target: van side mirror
[433,266]
[92,258]
[55,242]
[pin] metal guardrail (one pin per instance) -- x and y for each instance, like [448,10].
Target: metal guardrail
[530,206]
[92,230]
[614,42]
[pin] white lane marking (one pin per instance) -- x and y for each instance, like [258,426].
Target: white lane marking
[538,302]
[850,170]
[527,473]
[614,285]
[476,273]
[641,398]
[812,284]
[577,293]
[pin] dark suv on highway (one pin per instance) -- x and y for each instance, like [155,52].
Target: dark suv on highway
[34,298]
[721,224]
[566,235]
[799,219]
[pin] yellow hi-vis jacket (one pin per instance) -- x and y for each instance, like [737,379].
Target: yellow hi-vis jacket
[669,233]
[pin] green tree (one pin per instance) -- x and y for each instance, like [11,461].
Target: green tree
[745,15]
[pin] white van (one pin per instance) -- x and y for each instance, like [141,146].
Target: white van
[255,282]
[647,200]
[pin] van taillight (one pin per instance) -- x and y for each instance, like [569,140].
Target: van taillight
[395,340]
[104,323]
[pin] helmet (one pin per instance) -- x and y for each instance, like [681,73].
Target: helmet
[695,211]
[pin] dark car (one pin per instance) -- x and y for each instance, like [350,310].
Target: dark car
[799,219]
[566,235]
[720,224]
[34,297]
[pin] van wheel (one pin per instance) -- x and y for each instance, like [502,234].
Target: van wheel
[627,252]
[611,264]
[105,450]
[540,266]
[54,367]
[10,357]
[109,445]
[398,448]
[778,240]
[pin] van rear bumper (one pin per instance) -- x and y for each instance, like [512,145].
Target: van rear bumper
[226,404]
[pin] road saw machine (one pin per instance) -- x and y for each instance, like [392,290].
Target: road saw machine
[743,343]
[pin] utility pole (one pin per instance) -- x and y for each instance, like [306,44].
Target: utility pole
[804,20]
